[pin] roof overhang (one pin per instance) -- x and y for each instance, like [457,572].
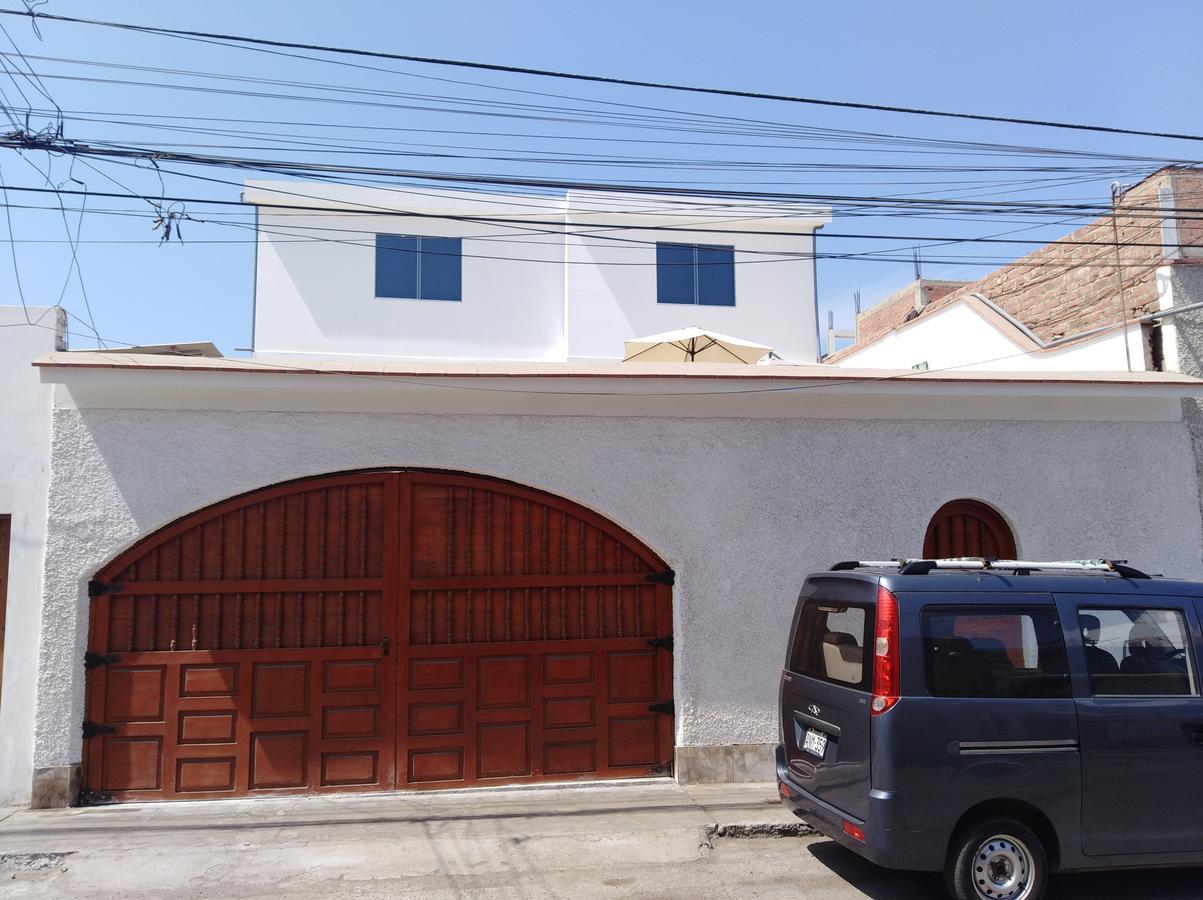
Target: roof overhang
[651,209]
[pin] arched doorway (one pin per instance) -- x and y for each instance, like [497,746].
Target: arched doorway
[968,528]
[378,630]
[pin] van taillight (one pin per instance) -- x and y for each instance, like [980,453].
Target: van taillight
[885,654]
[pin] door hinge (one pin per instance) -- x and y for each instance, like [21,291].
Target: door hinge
[91,729]
[96,588]
[666,706]
[93,660]
[662,642]
[669,577]
[664,768]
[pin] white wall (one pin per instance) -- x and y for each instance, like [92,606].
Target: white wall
[958,337]
[612,294]
[741,508]
[526,295]
[315,284]
[24,473]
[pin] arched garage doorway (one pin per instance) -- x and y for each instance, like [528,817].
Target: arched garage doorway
[378,630]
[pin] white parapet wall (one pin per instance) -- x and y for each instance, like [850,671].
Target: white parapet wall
[741,505]
[25,334]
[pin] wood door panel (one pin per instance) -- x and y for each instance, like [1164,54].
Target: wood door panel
[135,694]
[209,680]
[245,649]
[201,775]
[208,727]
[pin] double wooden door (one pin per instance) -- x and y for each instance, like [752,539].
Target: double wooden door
[378,630]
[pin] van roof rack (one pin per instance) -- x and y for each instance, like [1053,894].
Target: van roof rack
[1015,566]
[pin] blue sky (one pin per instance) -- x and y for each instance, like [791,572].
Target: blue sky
[1102,62]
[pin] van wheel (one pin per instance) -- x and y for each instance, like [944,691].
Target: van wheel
[997,859]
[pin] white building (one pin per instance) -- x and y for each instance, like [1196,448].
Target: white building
[420,543]
[506,277]
[25,335]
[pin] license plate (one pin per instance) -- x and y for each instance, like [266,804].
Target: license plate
[815,742]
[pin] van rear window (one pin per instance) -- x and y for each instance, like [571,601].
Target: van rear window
[829,643]
[982,652]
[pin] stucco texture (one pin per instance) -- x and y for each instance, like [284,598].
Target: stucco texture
[742,509]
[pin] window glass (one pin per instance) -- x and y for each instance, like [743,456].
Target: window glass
[695,273]
[1136,651]
[440,275]
[418,268]
[675,273]
[396,266]
[994,653]
[830,643]
[716,276]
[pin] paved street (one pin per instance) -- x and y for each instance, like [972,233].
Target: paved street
[645,840]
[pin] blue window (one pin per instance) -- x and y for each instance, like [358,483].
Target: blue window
[700,274]
[418,268]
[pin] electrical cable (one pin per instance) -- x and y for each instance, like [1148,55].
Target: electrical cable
[601,79]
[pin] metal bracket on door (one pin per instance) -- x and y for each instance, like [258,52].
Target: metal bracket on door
[667,707]
[91,729]
[385,643]
[662,642]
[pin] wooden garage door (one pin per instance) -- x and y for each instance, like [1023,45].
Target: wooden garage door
[374,631]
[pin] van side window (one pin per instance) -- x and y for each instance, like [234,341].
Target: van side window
[1136,651]
[830,643]
[996,652]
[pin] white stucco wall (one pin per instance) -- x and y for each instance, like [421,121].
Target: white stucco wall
[958,337]
[315,289]
[741,508]
[24,473]
[612,297]
[529,292]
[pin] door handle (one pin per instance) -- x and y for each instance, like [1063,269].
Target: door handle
[384,645]
[1194,732]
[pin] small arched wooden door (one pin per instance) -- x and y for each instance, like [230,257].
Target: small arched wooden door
[968,528]
[378,630]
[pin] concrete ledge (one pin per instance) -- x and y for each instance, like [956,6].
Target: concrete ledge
[54,787]
[725,763]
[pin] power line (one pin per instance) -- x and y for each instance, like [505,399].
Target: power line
[318,170]
[600,79]
[593,229]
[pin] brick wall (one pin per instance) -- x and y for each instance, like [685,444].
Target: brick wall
[1071,285]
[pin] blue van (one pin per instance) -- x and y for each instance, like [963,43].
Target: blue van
[997,720]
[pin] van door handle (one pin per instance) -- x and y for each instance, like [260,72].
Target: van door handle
[1194,732]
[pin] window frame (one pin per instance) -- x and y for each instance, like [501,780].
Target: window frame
[1184,620]
[418,253]
[870,610]
[995,610]
[695,268]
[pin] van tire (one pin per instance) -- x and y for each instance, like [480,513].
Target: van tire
[1012,847]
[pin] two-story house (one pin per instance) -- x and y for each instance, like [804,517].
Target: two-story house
[342,272]
[435,533]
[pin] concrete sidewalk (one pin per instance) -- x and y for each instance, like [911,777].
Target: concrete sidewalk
[639,839]
[533,842]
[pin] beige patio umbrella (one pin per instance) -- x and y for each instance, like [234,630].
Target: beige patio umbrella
[694,345]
